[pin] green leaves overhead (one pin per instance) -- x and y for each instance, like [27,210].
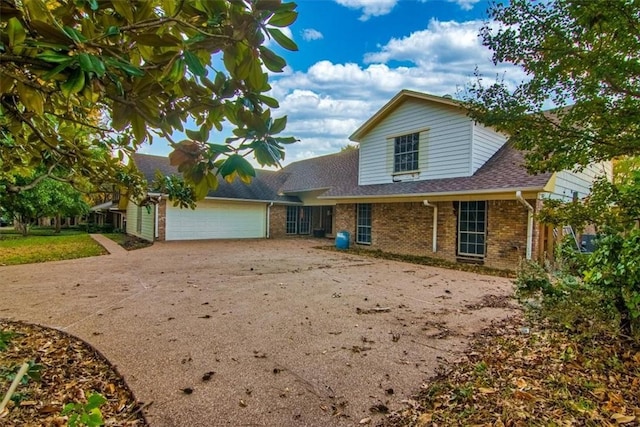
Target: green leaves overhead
[577,54]
[194,64]
[282,40]
[90,68]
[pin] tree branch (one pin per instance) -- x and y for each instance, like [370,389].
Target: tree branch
[27,60]
[49,174]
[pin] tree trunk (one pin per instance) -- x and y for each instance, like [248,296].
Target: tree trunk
[625,316]
[58,224]
[22,225]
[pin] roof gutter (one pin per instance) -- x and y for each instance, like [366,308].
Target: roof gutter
[530,211]
[439,194]
[434,227]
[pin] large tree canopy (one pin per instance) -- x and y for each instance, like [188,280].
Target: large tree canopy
[578,53]
[583,56]
[81,74]
[48,198]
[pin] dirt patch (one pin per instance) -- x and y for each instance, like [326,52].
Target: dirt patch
[63,369]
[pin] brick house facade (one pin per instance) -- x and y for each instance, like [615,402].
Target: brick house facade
[406,229]
[422,166]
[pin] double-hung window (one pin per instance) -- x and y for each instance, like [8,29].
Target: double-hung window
[405,153]
[472,229]
[363,218]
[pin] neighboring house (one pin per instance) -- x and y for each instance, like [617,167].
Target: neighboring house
[426,180]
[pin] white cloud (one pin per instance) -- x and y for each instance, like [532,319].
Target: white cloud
[369,7]
[309,34]
[464,4]
[442,45]
[327,102]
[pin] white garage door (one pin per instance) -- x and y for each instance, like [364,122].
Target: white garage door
[216,220]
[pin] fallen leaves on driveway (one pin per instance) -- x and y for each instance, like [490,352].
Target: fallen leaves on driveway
[516,376]
[68,371]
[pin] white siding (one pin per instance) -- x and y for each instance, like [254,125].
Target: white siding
[445,148]
[216,220]
[148,221]
[486,142]
[568,181]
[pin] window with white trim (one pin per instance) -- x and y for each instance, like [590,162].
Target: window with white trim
[363,220]
[472,229]
[405,153]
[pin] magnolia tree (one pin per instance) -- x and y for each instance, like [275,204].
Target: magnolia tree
[81,75]
[583,57]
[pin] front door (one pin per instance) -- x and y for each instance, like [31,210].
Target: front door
[298,220]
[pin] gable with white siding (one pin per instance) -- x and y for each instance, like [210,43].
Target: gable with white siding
[569,182]
[486,142]
[444,148]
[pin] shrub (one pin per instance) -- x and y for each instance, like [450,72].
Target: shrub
[564,300]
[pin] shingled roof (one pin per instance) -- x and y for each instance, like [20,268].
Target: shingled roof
[265,186]
[337,175]
[333,171]
[504,171]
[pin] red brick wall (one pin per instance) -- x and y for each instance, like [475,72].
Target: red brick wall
[506,233]
[345,220]
[277,218]
[403,228]
[406,228]
[162,219]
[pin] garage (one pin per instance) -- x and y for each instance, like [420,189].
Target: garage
[214,219]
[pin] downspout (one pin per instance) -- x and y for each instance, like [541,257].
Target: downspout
[529,222]
[268,216]
[435,224]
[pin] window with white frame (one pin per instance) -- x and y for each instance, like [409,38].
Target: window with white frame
[472,229]
[405,153]
[363,219]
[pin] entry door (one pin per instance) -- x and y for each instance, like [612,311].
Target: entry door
[298,220]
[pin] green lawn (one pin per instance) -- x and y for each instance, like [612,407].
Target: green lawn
[43,245]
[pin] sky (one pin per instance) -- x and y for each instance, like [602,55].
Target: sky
[355,55]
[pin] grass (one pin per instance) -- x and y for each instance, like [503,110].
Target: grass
[43,245]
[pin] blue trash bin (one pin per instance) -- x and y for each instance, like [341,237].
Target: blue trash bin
[342,240]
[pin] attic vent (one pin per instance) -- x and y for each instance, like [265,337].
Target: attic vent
[446,95]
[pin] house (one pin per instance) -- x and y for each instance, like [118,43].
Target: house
[426,180]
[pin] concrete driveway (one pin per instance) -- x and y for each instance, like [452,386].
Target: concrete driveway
[295,335]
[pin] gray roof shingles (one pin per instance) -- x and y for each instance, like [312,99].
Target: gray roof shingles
[337,174]
[265,186]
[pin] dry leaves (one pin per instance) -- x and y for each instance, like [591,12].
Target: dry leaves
[516,376]
[70,369]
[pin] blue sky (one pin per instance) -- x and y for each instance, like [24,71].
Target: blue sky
[355,55]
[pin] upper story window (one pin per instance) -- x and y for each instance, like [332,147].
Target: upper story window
[405,153]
